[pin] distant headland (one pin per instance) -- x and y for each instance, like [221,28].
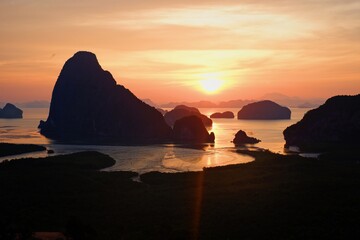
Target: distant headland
[335,124]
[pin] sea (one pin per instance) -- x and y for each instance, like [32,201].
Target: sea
[164,157]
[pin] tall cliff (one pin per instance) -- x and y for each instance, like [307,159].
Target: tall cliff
[87,104]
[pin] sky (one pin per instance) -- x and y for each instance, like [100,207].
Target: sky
[169,50]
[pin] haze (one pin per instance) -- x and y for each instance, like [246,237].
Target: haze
[165,50]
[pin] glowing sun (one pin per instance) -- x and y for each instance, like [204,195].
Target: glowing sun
[210,86]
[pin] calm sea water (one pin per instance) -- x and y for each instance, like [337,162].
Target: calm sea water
[165,158]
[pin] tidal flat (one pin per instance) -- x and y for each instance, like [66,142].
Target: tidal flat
[273,197]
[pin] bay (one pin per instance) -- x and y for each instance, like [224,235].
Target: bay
[166,157]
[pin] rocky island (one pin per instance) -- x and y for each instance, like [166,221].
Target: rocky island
[242,138]
[190,129]
[11,111]
[87,104]
[226,114]
[181,111]
[335,124]
[264,110]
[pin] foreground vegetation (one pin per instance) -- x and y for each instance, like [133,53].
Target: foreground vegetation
[274,197]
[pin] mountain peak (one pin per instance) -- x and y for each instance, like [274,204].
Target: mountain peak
[85,58]
[83,67]
[85,55]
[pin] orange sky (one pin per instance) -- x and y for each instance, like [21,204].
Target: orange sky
[162,50]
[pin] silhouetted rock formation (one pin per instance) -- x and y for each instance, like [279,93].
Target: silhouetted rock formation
[334,124]
[191,129]
[241,138]
[264,110]
[226,114]
[11,111]
[183,111]
[88,105]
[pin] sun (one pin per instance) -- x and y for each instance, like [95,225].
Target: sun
[211,86]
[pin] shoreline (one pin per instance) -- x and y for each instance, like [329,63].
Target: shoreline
[170,158]
[11,149]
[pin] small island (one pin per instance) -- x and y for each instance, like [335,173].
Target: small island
[226,114]
[264,110]
[241,138]
[10,111]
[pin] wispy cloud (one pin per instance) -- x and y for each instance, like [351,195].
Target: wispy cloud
[244,42]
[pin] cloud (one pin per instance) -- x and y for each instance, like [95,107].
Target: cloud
[243,41]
